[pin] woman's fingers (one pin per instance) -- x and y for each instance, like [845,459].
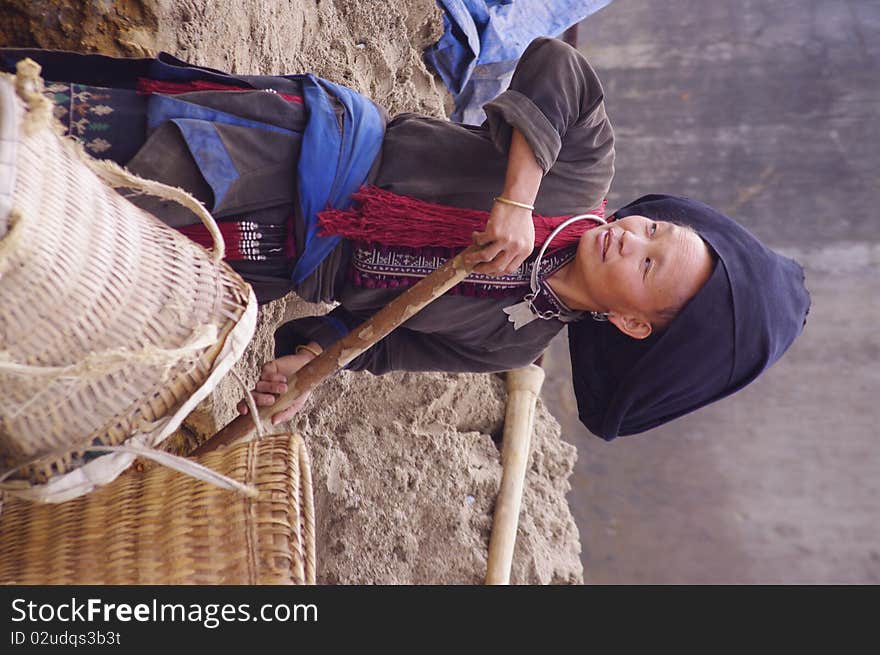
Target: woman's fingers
[264,399]
[504,262]
[269,386]
[492,257]
[489,250]
[498,256]
[516,261]
[495,267]
[287,414]
[267,400]
[260,400]
[273,382]
[482,238]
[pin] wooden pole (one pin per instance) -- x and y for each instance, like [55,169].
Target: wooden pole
[360,339]
[523,387]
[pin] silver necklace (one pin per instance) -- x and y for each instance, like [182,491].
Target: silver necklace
[524,312]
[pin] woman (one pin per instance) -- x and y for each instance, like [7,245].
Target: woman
[669,306]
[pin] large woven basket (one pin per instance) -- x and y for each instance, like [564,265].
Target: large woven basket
[113,326]
[161,527]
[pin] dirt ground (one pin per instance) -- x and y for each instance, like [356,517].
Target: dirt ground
[406,466]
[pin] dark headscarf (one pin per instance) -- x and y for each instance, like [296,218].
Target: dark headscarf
[743,319]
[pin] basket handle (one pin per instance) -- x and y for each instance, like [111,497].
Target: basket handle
[29,85]
[116,176]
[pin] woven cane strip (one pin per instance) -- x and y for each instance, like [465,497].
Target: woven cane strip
[307,512]
[88,279]
[161,527]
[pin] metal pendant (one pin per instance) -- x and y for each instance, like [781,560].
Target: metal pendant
[521,313]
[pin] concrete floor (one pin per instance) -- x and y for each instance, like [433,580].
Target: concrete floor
[768,111]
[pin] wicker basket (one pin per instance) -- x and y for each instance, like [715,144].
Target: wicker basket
[113,325]
[160,527]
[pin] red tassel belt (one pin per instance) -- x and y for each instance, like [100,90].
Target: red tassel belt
[390,219]
[146,86]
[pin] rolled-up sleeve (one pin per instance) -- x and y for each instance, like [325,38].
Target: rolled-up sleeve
[324,330]
[554,95]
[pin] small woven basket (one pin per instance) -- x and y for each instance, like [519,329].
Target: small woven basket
[158,526]
[113,325]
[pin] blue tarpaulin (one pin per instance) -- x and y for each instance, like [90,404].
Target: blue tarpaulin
[483,39]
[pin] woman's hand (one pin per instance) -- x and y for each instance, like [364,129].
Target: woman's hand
[273,382]
[507,241]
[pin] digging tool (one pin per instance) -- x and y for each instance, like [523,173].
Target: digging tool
[523,386]
[360,339]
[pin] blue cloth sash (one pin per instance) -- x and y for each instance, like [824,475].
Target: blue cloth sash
[333,163]
[334,160]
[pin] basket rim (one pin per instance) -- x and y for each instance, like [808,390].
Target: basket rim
[74,544]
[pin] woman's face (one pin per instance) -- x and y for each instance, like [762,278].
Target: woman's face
[636,267]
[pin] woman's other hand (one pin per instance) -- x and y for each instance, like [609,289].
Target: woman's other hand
[273,381]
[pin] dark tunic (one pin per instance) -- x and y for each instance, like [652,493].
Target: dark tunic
[555,100]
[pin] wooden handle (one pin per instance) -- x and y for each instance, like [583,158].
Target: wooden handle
[523,387]
[360,339]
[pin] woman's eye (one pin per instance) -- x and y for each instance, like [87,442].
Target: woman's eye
[653,229]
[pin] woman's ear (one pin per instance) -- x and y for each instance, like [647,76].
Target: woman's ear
[631,326]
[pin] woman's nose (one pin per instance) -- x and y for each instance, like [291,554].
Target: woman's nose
[629,243]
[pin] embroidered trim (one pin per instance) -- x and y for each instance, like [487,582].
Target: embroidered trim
[374,266]
[80,109]
[245,240]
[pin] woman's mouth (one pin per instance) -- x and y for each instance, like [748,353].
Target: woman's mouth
[606,243]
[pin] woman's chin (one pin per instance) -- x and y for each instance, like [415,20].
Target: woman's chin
[589,250]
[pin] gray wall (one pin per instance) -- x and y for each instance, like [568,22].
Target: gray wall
[769,111]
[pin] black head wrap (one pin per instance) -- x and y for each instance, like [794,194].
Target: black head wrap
[742,320]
